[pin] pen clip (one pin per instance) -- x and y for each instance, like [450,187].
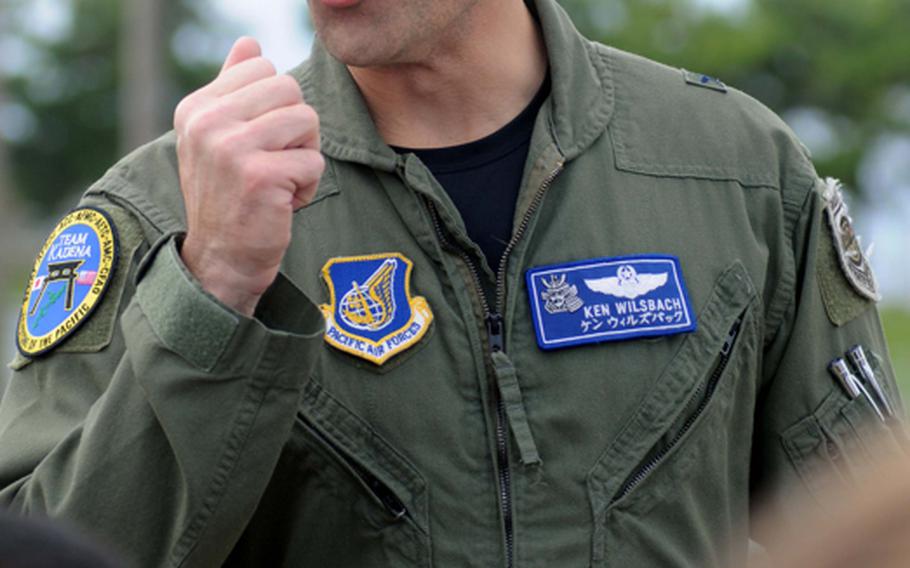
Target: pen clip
[857,356]
[840,371]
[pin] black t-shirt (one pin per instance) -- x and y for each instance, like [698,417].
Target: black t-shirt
[483,178]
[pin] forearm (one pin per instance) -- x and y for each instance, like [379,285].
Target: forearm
[170,461]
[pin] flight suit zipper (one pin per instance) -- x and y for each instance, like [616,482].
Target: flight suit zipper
[494,326]
[703,395]
[392,504]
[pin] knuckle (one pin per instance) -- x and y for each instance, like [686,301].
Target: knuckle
[308,116]
[304,195]
[318,161]
[289,87]
[311,166]
[253,175]
[264,66]
[191,130]
[225,146]
[201,122]
[180,113]
[185,111]
[311,115]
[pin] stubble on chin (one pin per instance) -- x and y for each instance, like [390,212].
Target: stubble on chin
[360,39]
[380,33]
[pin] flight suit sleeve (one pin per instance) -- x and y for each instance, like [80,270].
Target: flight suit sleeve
[161,443]
[806,422]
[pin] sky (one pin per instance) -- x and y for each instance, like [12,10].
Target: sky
[281,29]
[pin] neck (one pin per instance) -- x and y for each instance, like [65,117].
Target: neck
[467,87]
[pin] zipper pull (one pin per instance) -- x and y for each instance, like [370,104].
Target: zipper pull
[495,332]
[510,395]
[731,337]
[392,503]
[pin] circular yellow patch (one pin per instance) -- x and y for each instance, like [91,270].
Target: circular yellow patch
[70,276]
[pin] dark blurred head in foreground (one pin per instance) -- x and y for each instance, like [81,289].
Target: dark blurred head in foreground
[34,543]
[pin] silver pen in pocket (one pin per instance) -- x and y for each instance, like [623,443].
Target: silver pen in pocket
[852,384]
[857,356]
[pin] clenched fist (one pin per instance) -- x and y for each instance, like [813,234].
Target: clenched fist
[248,152]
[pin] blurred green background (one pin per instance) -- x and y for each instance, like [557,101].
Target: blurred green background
[84,81]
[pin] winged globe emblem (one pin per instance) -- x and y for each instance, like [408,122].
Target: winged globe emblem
[627,283]
[371,305]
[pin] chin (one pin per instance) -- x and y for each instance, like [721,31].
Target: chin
[354,54]
[360,37]
[360,50]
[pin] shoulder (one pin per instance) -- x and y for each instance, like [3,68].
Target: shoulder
[80,276]
[146,183]
[671,122]
[84,269]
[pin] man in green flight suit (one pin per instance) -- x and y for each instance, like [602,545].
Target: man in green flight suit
[485,294]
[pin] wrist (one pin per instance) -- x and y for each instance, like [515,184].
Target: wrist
[220,279]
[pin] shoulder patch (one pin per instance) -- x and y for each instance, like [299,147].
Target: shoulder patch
[71,274]
[845,276]
[702,80]
[853,261]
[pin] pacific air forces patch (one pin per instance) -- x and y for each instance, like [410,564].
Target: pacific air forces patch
[853,261]
[70,276]
[371,313]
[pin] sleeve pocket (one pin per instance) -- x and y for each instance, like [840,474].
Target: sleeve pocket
[829,447]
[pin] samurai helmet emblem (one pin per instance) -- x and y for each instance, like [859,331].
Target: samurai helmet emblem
[560,297]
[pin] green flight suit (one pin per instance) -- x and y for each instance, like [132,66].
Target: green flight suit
[188,435]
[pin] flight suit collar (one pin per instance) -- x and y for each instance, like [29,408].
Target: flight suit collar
[581,96]
[347,129]
[582,84]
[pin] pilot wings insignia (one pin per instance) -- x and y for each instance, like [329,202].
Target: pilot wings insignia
[627,283]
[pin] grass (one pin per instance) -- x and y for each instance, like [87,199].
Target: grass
[897,329]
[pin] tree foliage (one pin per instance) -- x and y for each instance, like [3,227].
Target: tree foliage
[70,96]
[843,63]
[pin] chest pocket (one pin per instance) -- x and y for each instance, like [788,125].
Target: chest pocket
[675,463]
[348,498]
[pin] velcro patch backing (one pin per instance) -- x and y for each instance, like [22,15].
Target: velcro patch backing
[842,302]
[96,330]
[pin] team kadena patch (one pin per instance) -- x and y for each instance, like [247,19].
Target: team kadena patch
[70,276]
[608,299]
[371,313]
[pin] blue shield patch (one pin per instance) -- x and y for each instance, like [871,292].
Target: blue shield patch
[68,280]
[608,299]
[371,313]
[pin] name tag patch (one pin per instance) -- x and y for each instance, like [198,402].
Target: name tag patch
[608,299]
[371,313]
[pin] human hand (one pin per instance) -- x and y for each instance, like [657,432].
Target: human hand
[248,153]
